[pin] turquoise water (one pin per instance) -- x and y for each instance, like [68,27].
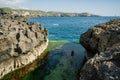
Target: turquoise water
[69,28]
[60,64]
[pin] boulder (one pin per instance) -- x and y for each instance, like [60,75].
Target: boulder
[102,43]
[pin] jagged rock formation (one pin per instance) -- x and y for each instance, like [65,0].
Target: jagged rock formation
[102,43]
[21,42]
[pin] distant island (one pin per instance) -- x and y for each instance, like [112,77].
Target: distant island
[39,13]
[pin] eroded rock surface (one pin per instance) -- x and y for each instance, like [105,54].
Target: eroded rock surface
[21,42]
[102,43]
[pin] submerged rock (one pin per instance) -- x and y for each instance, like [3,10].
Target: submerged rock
[21,42]
[102,43]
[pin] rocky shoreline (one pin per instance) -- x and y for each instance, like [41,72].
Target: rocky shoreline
[21,42]
[102,43]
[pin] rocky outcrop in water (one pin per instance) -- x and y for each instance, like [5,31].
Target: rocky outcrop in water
[102,43]
[21,42]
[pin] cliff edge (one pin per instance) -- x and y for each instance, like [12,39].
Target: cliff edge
[21,42]
[102,43]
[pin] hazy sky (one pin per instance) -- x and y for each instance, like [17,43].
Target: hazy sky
[100,7]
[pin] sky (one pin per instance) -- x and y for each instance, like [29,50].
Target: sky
[98,7]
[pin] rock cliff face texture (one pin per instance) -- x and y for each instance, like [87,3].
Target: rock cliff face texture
[21,42]
[102,43]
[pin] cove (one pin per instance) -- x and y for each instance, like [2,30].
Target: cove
[59,63]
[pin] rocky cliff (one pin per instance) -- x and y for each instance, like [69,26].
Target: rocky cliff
[102,43]
[21,42]
[39,13]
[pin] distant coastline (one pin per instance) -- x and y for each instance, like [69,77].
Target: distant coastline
[39,13]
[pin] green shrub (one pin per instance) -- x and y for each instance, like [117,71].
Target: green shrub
[6,10]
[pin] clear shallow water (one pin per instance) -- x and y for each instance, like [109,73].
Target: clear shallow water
[59,64]
[69,28]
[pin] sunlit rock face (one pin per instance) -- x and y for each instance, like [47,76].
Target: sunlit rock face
[21,42]
[102,43]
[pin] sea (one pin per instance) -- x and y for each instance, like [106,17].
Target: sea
[69,28]
[59,63]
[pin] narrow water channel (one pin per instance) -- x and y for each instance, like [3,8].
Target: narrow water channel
[61,64]
[64,63]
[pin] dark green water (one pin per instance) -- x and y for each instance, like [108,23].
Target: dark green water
[59,64]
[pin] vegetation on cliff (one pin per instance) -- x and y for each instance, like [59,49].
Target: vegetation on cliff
[39,13]
[6,10]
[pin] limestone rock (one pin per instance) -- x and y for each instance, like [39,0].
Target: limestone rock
[98,38]
[103,43]
[21,42]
